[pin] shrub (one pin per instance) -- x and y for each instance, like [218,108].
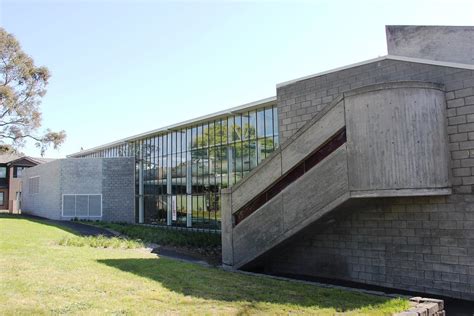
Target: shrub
[164,236]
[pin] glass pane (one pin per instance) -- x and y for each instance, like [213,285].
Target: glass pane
[268,122]
[251,127]
[210,134]
[261,123]
[245,126]
[275,121]
[237,128]
[253,154]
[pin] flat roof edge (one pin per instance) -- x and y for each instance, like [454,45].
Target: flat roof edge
[229,111]
[258,103]
[389,57]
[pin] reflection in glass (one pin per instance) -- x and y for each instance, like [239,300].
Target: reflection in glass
[189,166]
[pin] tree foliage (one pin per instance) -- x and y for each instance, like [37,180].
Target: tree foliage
[244,140]
[22,86]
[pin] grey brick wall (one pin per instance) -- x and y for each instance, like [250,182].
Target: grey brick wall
[418,244]
[118,190]
[46,203]
[421,244]
[111,177]
[81,176]
[300,101]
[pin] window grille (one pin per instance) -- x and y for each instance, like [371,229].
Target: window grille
[33,185]
[82,205]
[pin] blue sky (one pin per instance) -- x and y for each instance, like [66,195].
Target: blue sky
[121,68]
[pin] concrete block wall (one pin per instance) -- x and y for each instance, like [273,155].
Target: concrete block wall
[46,203]
[445,43]
[114,178]
[421,244]
[118,190]
[300,101]
[418,244]
[81,176]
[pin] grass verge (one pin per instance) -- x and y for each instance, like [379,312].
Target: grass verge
[40,277]
[100,242]
[164,236]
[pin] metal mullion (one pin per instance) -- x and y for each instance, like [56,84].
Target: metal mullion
[192,174]
[250,141]
[241,147]
[217,151]
[257,146]
[154,173]
[182,183]
[183,171]
[229,150]
[265,131]
[197,173]
[175,145]
[160,174]
[209,176]
[202,178]
[220,154]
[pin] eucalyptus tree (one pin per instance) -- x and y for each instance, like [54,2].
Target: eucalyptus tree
[22,87]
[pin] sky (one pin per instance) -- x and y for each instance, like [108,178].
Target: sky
[121,68]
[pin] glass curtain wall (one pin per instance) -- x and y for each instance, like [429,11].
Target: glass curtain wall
[184,169]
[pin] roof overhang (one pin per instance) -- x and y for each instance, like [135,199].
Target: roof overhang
[29,159]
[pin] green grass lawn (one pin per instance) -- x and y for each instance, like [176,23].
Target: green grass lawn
[40,276]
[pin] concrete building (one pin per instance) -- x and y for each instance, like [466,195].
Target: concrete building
[369,178]
[94,188]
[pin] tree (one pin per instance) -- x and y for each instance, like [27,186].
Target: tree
[22,85]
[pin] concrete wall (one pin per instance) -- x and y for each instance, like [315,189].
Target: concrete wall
[113,178]
[396,146]
[81,176]
[118,190]
[397,139]
[301,101]
[418,244]
[424,244]
[307,199]
[442,43]
[47,203]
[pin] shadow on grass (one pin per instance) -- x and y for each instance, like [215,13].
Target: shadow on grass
[214,284]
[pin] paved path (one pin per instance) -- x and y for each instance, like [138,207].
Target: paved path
[89,230]
[83,229]
[79,228]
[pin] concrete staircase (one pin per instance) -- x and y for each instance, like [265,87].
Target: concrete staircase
[379,141]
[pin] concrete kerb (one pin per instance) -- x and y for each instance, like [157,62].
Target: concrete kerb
[421,306]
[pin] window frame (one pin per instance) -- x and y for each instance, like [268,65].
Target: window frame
[88,205]
[6,172]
